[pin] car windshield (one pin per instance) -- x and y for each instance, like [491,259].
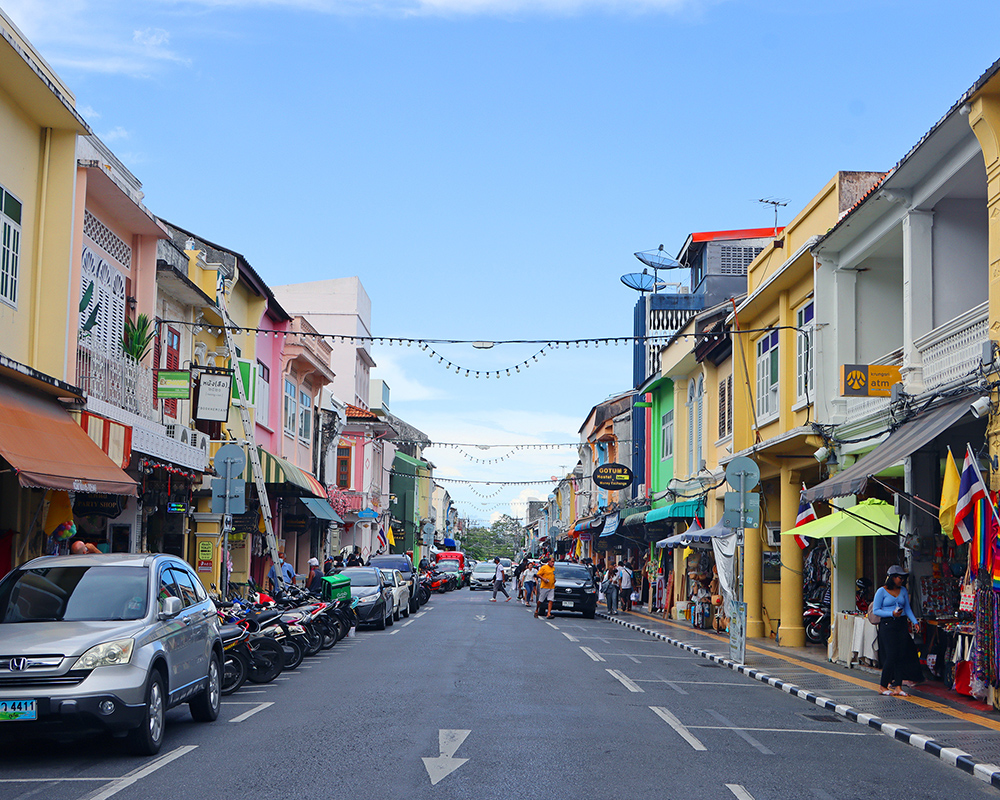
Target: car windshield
[505,562]
[68,593]
[573,572]
[484,569]
[392,563]
[361,577]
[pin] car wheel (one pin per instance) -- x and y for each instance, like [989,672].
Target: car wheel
[414,604]
[389,619]
[589,614]
[146,739]
[406,609]
[380,625]
[205,706]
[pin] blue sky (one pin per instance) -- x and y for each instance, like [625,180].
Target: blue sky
[488,167]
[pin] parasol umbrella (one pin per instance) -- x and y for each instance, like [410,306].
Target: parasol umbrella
[868,518]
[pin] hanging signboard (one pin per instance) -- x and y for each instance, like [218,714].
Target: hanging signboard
[98,505]
[173,384]
[868,380]
[613,477]
[214,391]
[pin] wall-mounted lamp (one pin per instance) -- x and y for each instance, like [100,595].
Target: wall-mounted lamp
[132,302]
[981,407]
[822,454]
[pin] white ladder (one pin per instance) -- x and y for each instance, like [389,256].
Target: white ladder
[249,441]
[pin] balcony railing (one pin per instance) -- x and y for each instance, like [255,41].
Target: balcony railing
[119,380]
[953,350]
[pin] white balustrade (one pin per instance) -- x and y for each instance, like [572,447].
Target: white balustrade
[953,351]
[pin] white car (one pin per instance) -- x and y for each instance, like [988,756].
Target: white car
[400,592]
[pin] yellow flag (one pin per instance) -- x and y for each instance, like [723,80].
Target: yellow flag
[392,539]
[949,496]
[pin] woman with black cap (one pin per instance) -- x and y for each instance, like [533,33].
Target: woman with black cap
[891,605]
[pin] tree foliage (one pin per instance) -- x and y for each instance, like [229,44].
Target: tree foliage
[503,538]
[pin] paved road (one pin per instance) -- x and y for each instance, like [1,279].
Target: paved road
[569,709]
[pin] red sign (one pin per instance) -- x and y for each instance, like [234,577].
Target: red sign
[205,566]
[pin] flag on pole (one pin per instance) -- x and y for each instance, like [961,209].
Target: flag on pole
[392,539]
[971,489]
[383,543]
[949,496]
[806,514]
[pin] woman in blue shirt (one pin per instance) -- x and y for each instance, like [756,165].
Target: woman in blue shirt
[892,605]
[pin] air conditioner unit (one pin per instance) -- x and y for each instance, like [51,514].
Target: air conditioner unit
[180,433]
[774,535]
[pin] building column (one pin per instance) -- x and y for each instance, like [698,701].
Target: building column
[917,293]
[984,117]
[791,632]
[753,582]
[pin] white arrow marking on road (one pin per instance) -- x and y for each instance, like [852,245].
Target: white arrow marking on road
[480,617]
[441,767]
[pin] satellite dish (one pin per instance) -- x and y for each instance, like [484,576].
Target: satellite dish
[657,259]
[639,281]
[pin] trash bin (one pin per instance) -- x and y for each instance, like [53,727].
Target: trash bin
[336,588]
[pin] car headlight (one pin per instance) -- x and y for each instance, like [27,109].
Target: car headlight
[109,654]
[589,590]
[369,598]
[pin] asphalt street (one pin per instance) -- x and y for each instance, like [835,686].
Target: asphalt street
[473,699]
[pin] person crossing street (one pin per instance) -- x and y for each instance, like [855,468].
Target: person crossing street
[499,581]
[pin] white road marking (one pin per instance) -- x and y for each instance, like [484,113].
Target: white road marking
[408,622]
[480,617]
[629,684]
[394,632]
[137,775]
[247,714]
[555,628]
[676,724]
[570,637]
[746,737]
[594,656]
[631,658]
[777,730]
[739,792]
[443,765]
[419,614]
[55,780]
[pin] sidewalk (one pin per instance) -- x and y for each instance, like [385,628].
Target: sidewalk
[965,734]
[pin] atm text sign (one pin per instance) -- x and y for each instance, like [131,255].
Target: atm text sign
[868,380]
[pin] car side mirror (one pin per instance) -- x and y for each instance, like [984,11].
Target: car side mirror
[171,608]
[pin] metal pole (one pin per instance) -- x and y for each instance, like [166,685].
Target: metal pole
[224,566]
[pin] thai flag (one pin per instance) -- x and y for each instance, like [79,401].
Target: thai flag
[806,514]
[383,543]
[970,491]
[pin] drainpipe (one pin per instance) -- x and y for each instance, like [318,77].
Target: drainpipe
[36,283]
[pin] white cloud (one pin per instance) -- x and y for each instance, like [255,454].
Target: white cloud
[151,37]
[87,112]
[402,388]
[116,134]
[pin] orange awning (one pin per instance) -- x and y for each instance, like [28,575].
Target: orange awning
[49,450]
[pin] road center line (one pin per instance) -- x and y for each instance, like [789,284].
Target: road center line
[676,724]
[570,637]
[137,775]
[739,792]
[628,683]
[593,655]
[746,737]
[247,714]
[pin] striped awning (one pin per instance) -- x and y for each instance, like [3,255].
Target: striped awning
[279,470]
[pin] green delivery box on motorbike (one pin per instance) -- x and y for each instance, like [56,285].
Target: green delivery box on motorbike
[336,587]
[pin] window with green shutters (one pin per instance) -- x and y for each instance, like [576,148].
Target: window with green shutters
[10,245]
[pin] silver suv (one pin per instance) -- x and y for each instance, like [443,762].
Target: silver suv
[106,642]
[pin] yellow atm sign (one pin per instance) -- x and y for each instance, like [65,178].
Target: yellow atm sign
[868,380]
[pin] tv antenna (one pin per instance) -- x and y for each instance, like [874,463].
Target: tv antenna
[776,202]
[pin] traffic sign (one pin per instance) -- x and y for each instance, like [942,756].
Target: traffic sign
[744,467]
[235,456]
[237,496]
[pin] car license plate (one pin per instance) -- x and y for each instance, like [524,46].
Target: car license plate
[568,603]
[14,710]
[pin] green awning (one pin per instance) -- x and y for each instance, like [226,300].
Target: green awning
[321,509]
[686,509]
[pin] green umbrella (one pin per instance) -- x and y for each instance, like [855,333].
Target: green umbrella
[868,518]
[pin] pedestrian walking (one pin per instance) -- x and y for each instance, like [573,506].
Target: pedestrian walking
[530,574]
[546,578]
[499,579]
[892,606]
[314,583]
[625,586]
[610,588]
[287,573]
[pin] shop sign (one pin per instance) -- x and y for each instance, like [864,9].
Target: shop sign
[177,508]
[172,384]
[294,525]
[98,505]
[214,392]
[868,380]
[204,566]
[246,523]
[206,551]
[613,477]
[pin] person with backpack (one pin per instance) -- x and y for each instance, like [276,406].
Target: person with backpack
[625,586]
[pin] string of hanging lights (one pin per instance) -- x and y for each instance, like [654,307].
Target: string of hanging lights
[481,483]
[495,460]
[477,493]
[510,446]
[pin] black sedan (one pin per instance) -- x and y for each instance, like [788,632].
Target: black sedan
[575,589]
[375,602]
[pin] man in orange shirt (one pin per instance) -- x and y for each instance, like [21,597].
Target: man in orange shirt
[546,586]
